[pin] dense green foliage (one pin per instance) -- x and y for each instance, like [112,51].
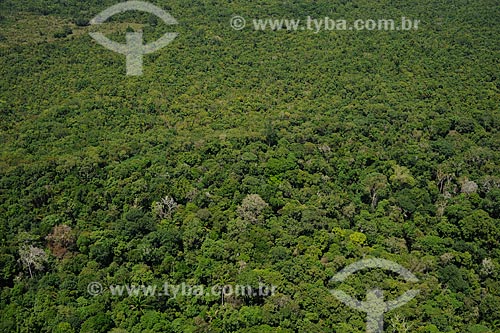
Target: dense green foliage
[289,154]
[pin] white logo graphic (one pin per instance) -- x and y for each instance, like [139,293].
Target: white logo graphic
[134,49]
[374,306]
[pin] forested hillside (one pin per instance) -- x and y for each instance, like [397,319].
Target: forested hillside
[249,157]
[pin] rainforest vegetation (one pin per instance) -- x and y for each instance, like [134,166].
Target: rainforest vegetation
[249,157]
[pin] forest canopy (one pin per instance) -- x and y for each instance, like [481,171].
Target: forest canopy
[249,157]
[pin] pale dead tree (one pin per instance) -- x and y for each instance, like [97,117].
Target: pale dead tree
[324,148]
[469,187]
[374,183]
[32,258]
[440,207]
[251,207]
[487,267]
[443,179]
[165,207]
[489,183]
